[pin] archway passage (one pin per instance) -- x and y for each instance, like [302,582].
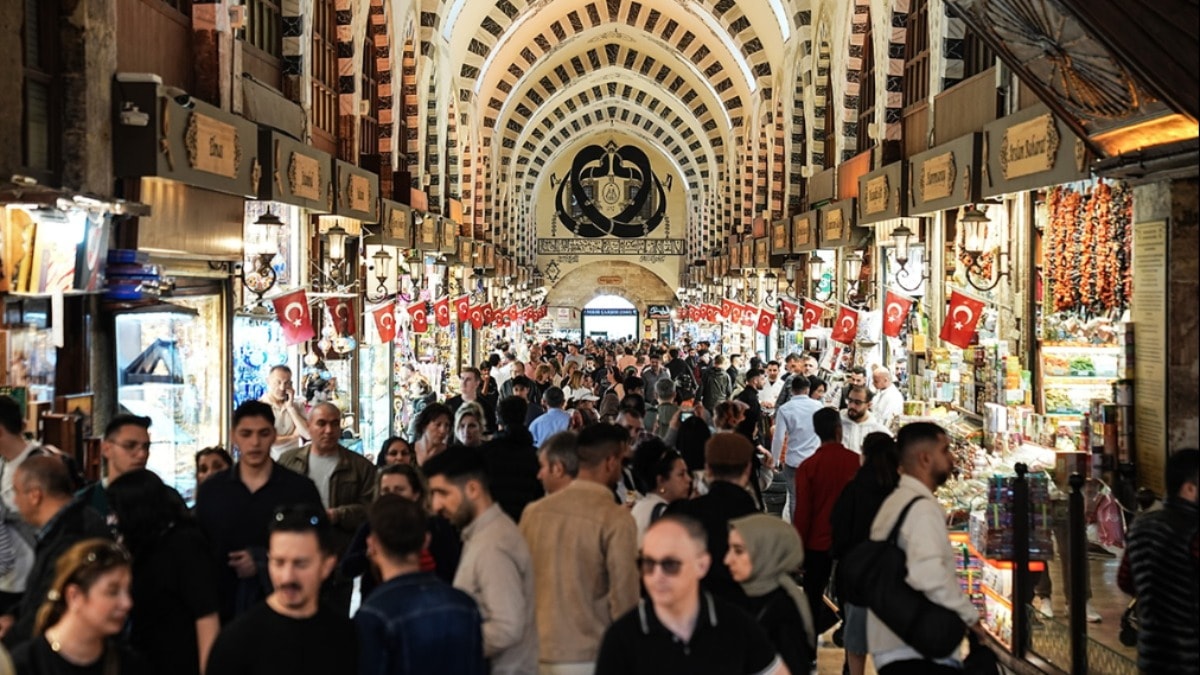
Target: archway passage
[610,317]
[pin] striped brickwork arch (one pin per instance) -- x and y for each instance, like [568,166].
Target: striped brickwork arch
[778,165]
[893,112]
[409,105]
[860,22]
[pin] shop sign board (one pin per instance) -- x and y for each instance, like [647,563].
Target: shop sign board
[427,231]
[881,194]
[357,193]
[397,224]
[466,252]
[658,312]
[804,232]
[294,173]
[781,237]
[838,227]
[945,177]
[822,187]
[1148,309]
[762,253]
[747,254]
[201,145]
[735,256]
[449,237]
[1031,149]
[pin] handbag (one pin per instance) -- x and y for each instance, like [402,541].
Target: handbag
[873,575]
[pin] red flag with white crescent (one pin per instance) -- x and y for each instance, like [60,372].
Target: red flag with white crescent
[441,311]
[711,312]
[489,314]
[385,321]
[420,318]
[749,315]
[462,307]
[477,317]
[727,307]
[845,328]
[961,319]
[682,313]
[813,311]
[895,310]
[789,310]
[766,319]
[292,311]
[735,312]
[338,311]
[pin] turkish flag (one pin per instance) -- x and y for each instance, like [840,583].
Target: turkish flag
[683,313]
[489,314]
[735,313]
[961,319]
[749,315]
[710,313]
[846,327]
[789,310]
[462,307]
[727,307]
[420,319]
[441,311]
[895,311]
[477,317]
[385,321]
[292,311]
[813,311]
[343,315]
[766,319]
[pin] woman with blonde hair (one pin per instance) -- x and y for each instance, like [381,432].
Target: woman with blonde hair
[87,605]
[469,424]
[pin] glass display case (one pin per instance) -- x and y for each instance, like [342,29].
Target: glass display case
[169,368]
[258,347]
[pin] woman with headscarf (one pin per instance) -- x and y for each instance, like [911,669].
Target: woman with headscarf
[764,551]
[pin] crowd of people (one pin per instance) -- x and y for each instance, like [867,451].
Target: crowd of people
[589,508]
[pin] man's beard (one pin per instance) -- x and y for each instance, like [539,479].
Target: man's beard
[940,478]
[855,415]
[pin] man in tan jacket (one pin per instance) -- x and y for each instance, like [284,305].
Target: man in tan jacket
[584,548]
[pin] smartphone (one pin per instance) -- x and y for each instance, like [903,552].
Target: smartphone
[683,416]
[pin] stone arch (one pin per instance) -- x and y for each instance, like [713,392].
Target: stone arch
[821,95]
[408,102]
[854,60]
[640,285]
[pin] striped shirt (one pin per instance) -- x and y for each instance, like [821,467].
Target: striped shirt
[1164,568]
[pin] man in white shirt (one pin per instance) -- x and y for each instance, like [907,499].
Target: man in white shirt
[291,425]
[772,388]
[926,462]
[857,420]
[16,551]
[888,401]
[794,422]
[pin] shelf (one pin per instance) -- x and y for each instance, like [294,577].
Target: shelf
[1081,347]
[1004,602]
[1078,380]
[1034,565]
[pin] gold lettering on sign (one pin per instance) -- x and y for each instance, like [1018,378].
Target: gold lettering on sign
[358,190]
[398,224]
[937,177]
[834,229]
[800,232]
[779,236]
[212,146]
[304,177]
[449,234]
[876,200]
[1029,147]
[428,231]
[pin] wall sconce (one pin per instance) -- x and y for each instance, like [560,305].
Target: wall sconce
[816,271]
[976,230]
[901,236]
[382,266]
[335,238]
[263,277]
[770,281]
[854,268]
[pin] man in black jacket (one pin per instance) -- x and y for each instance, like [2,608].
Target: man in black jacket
[42,491]
[511,460]
[727,460]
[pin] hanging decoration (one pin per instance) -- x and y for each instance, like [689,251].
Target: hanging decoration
[896,307]
[961,319]
[813,311]
[292,311]
[1088,249]
[845,328]
[385,321]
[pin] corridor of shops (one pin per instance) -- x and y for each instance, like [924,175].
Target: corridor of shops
[382,224]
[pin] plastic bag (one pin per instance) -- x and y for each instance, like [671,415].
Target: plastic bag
[1110,523]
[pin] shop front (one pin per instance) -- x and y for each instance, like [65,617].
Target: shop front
[836,268]
[169,295]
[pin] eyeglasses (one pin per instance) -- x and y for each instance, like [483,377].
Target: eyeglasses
[859,401]
[670,566]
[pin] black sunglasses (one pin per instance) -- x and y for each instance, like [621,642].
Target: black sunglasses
[670,566]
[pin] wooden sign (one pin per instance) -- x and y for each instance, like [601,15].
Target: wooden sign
[747,253]
[449,236]
[875,200]
[1029,147]
[803,235]
[833,228]
[781,239]
[358,193]
[937,177]
[304,176]
[762,253]
[212,146]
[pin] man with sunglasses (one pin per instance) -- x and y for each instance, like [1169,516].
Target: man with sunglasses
[291,633]
[857,419]
[682,629]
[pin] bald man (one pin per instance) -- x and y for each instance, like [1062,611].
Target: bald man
[344,479]
[682,629]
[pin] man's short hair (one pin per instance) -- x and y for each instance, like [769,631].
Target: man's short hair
[674,352]
[598,442]
[772,362]
[280,369]
[719,361]
[458,464]
[127,419]
[562,448]
[1183,467]
[302,519]
[511,412]
[399,525]
[522,381]
[472,371]
[856,370]
[664,390]
[798,384]
[827,422]
[815,383]
[854,388]
[554,397]
[792,358]
[633,403]
[753,373]
[694,529]
[11,418]
[634,382]
[727,454]
[916,435]
[49,474]
[253,408]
